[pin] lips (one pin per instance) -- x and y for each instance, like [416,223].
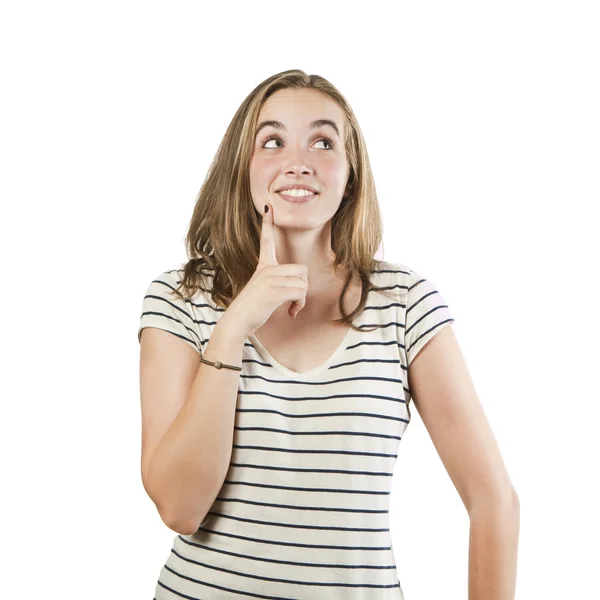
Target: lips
[297,199]
[298,186]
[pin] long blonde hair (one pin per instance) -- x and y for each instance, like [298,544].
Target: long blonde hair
[223,238]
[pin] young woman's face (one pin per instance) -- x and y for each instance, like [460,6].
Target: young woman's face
[297,153]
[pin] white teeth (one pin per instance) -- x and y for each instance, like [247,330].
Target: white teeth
[296,192]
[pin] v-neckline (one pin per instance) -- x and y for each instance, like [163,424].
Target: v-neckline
[306,374]
[323,366]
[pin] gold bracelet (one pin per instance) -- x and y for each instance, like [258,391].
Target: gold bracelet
[219,365]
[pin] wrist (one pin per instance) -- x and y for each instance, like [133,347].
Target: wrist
[231,321]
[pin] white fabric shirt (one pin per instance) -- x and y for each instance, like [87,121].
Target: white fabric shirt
[303,512]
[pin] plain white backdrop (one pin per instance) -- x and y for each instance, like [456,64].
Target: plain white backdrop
[482,127]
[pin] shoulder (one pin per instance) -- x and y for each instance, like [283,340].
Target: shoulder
[169,283]
[403,277]
[391,268]
[166,306]
[167,280]
[162,286]
[393,276]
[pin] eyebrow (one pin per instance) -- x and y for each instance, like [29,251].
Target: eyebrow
[313,125]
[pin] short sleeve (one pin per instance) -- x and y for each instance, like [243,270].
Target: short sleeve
[427,313]
[163,309]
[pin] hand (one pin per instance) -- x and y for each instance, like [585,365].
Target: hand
[271,284]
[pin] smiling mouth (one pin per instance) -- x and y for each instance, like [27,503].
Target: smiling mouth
[297,199]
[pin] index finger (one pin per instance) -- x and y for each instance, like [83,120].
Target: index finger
[267,254]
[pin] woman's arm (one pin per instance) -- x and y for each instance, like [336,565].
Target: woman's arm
[447,402]
[493,542]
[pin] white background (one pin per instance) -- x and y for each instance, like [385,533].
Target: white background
[483,129]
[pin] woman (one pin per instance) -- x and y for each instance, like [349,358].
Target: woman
[275,368]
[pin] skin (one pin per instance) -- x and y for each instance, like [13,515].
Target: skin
[300,155]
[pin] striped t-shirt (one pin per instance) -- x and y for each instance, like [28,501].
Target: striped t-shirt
[303,512]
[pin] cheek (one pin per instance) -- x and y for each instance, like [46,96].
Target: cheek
[261,167]
[335,173]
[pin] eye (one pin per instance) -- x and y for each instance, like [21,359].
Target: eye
[269,139]
[328,140]
[274,137]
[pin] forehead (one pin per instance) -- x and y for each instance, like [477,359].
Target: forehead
[297,108]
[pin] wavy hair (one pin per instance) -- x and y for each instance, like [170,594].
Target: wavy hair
[223,237]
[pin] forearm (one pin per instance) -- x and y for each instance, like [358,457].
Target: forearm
[189,465]
[493,549]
